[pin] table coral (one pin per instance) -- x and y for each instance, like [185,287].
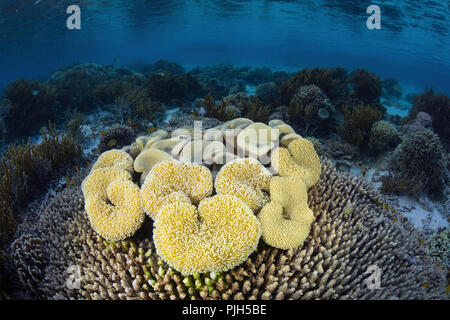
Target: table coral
[217,236]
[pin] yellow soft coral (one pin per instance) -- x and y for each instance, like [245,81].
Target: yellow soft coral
[221,234]
[112,203]
[173,181]
[246,179]
[114,158]
[286,219]
[299,159]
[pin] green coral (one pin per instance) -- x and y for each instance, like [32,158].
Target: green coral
[383,136]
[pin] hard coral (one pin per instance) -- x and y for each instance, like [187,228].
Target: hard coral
[331,264]
[421,157]
[383,136]
[173,181]
[286,219]
[246,179]
[217,236]
[31,105]
[299,159]
[116,137]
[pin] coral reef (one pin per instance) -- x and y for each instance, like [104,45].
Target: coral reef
[267,93]
[421,158]
[438,107]
[115,137]
[332,263]
[334,82]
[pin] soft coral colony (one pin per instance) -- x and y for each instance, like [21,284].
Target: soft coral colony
[194,230]
[221,226]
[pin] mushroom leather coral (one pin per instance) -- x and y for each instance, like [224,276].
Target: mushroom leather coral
[286,219]
[246,179]
[217,236]
[173,181]
[114,158]
[299,159]
[112,203]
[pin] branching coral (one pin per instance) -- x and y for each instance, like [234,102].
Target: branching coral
[286,219]
[112,203]
[221,234]
[246,179]
[332,263]
[173,181]
[299,159]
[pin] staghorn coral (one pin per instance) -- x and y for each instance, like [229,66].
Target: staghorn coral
[331,264]
[173,181]
[115,137]
[246,179]
[286,219]
[298,159]
[217,236]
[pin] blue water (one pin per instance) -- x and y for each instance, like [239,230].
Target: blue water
[412,46]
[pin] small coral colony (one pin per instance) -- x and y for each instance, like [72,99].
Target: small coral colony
[124,196]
